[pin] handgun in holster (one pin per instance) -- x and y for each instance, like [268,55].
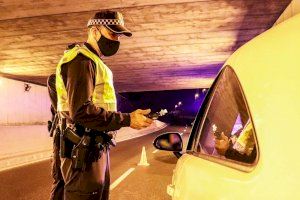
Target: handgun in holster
[65,146]
[81,145]
[80,153]
[80,150]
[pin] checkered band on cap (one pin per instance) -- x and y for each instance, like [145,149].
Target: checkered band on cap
[92,22]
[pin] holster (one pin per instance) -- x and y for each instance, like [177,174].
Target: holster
[66,146]
[80,153]
[82,145]
[80,150]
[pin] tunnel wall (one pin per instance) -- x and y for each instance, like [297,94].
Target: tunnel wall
[20,107]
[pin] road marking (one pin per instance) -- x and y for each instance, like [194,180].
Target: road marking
[121,178]
[155,151]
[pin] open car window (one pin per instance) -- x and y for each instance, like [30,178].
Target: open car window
[227,131]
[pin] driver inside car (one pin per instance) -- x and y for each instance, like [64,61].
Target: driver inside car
[239,147]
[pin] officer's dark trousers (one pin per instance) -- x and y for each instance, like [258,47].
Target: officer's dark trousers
[57,191]
[92,184]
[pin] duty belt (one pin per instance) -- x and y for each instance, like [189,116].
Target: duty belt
[82,150]
[70,134]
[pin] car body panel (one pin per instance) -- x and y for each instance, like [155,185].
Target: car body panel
[201,179]
[268,68]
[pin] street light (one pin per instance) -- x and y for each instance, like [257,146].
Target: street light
[179,103]
[196,96]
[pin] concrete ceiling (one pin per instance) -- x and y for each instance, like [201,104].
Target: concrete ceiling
[175,45]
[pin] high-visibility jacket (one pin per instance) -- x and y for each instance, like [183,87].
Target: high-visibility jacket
[104,93]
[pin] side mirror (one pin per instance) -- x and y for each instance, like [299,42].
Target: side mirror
[169,142]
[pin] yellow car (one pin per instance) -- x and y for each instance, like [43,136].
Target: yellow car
[245,142]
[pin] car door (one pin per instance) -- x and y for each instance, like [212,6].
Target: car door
[205,173]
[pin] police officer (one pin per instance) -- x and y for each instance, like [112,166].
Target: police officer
[86,101]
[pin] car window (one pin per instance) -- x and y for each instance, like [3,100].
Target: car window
[227,131]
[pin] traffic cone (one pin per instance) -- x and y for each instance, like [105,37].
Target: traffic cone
[143,160]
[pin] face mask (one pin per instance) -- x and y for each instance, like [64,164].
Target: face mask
[108,47]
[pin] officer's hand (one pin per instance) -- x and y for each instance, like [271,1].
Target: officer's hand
[222,144]
[138,119]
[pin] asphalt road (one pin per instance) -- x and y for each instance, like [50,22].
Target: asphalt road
[33,182]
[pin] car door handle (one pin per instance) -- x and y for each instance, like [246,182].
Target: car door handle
[170,189]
